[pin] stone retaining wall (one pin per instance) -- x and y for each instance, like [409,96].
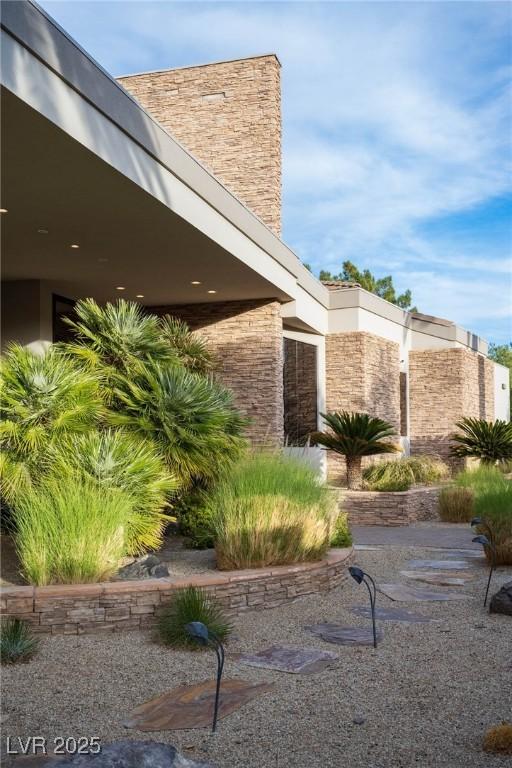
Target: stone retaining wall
[390,508]
[71,609]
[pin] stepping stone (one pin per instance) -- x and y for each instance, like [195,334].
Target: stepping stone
[441,579]
[299,661]
[333,633]
[191,706]
[390,614]
[128,754]
[441,565]
[463,553]
[365,548]
[405,594]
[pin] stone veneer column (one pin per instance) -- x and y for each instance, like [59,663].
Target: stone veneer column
[228,115]
[362,374]
[247,340]
[446,385]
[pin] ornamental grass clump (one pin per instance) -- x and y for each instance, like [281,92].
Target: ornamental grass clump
[17,641]
[271,510]
[191,604]
[341,536]
[401,474]
[456,505]
[72,532]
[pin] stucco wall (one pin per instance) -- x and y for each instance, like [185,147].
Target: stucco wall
[444,386]
[247,340]
[229,116]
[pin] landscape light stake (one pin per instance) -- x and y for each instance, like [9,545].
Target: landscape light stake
[481,523]
[484,541]
[361,576]
[202,635]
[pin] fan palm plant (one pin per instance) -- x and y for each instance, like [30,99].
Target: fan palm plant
[354,435]
[489,441]
[43,399]
[190,348]
[118,459]
[190,418]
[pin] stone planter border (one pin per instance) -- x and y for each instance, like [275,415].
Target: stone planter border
[124,605]
[391,508]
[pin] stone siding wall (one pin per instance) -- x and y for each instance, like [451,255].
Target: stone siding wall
[229,116]
[362,374]
[444,386]
[393,509]
[246,338]
[121,606]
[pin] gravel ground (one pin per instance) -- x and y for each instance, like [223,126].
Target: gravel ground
[426,696]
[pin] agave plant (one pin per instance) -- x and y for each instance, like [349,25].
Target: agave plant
[489,441]
[118,459]
[190,348]
[43,399]
[190,418]
[354,435]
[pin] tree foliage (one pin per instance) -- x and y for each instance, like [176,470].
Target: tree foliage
[381,286]
[502,354]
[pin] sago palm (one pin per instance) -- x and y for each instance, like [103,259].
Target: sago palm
[43,398]
[189,417]
[118,459]
[354,435]
[489,441]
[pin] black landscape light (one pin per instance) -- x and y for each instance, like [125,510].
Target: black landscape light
[202,635]
[481,523]
[484,541]
[362,577]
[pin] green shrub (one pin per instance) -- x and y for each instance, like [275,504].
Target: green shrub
[44,398]
[117,459]
[71,532]
[191,604]
[401,474]
[493,503]
[17,641]
[456,505]
[195,519]
[489,441]
[270,510]
[341,536]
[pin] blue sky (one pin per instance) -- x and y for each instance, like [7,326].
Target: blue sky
[397,121]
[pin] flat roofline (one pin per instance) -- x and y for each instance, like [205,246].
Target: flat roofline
[199,66]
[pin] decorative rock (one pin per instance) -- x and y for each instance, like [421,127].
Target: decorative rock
[130,754]
[501,602]
[333,633]
[299,661]
[442,565]
[359,719]
[391,614]
[147,567]
[404,593]
[441,579]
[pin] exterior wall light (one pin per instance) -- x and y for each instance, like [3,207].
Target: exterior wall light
[202,635]
[484,541]
[361,577]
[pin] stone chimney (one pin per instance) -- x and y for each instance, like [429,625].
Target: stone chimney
[228,115]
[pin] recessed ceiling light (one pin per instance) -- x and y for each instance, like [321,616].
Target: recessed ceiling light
[139,296]
[42,231]
[195,282]
[3,210]
[119,287]
[74,245]
[212,291]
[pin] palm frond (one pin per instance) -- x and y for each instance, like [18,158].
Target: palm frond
[485,440]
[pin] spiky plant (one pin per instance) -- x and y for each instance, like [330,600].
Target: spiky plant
[190,348]
[190,418]
[118,459]
[43,399]
[112,337]
[17,641]
[354,435]
[191,604]
[489,441]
